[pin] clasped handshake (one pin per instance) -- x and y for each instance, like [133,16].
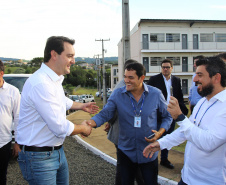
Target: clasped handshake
[85,128]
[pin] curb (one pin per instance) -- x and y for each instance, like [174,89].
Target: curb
[161,180]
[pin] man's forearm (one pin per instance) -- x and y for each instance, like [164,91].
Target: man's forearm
[77,106]
[78,129]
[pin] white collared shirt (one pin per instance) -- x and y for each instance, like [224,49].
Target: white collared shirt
[9,111]
[42,120]
[205,152]
[168,84]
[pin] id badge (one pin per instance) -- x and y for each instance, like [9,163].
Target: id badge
[137,121]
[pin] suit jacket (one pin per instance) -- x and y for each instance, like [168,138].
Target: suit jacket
[158,81]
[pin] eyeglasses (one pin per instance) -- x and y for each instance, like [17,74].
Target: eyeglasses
[165,67]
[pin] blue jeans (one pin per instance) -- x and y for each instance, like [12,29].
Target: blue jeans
[44,167]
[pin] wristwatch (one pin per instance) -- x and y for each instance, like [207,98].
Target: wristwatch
[181,117]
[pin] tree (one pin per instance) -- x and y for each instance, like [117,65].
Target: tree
[90,78]
[9,71]
[36,62]
[19,71]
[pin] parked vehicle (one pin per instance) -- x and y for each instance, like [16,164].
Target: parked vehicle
[86,98]
[74,98]
[17,80]
[97,93]
[109,93]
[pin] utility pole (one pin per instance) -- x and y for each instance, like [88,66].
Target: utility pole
[104,86]
[125,36]
[98,63]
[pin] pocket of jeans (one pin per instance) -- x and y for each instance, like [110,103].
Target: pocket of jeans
[39,156]
[40,161]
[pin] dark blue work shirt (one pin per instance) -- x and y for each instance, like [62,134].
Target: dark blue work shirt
[132,139]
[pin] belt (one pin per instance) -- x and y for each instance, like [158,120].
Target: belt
[39,149]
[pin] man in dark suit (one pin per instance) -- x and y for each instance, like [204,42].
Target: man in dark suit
[170,86]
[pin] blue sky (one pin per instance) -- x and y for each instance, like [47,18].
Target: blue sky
[25,25]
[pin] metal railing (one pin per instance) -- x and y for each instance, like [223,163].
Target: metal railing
[176,69]
[190,45]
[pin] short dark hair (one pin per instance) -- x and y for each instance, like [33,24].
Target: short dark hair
[222,55]
[167,61]
[199,57]
[2,68]
[138,67]
[213,66]
[129,61]
[55,43]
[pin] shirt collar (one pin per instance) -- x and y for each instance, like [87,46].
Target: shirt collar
[165,78]
[221,96]
[5,85]
[51,73]
[145,88]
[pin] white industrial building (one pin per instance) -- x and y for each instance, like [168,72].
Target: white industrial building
[153,40]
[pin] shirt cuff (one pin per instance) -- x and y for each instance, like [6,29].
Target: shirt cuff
[69,104]
[185,124]
[163,145]
[70,128]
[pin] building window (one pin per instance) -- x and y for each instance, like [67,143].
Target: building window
[156,61]
[206,37]
[115,80]
[220,37]
[115,72]
[176,60]
[185,86]
[157,37]
[172,37]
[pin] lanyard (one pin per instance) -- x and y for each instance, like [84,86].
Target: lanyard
[204,112]
[140,107]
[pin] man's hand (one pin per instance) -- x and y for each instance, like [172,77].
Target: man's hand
[151,149]
[86,131]
[90,107]
[158,134]
[16,149]
[174,108]
[107,127]
[92,123]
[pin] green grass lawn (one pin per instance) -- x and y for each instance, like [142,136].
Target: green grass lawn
[99,103]
[83,90]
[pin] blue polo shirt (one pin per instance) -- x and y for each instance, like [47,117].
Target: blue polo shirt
[132,139]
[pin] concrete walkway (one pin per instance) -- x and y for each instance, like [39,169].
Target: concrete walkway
[99,144]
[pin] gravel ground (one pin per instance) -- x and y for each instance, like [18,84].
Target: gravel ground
[85,168]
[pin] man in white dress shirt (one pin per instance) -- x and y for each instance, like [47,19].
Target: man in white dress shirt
[9,113]
[204,160]
[42,125]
